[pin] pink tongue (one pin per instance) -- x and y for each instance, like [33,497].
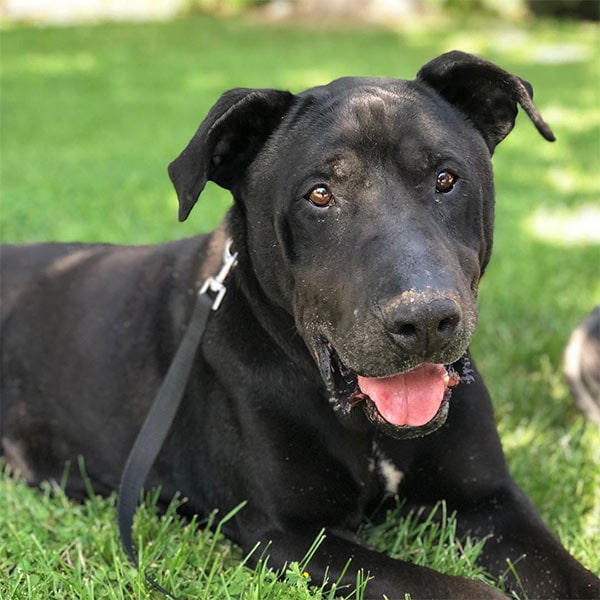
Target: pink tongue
[412,398]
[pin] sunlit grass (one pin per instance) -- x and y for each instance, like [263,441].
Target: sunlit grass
[566,227]
[52,64]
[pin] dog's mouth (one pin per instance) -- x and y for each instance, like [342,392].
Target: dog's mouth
[408,404]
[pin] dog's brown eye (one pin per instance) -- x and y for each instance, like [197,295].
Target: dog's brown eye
[320,196]
[445,181]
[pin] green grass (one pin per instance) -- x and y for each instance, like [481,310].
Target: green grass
[55,548]
[90,118]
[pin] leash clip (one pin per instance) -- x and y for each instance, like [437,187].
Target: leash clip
[215,284]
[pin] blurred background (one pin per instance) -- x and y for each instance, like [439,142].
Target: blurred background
[382,11]
[97,97]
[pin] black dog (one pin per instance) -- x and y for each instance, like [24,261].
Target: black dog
[336,371]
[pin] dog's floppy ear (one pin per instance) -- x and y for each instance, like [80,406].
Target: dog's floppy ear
[226,142]
[487,94]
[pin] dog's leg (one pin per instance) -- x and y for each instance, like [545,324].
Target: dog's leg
[394,578]
[540,565]
[463,463]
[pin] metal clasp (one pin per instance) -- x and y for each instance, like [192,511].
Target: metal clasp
[215,284]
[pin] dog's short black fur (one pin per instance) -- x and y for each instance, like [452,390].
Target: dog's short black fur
[363,220]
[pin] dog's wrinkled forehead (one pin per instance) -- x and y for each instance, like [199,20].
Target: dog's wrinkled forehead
[364,100]
[367,112]
[352,101]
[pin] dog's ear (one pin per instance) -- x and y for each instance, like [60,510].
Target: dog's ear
[487,94]
[226,142]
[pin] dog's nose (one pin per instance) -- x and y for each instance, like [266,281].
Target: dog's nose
[422,326]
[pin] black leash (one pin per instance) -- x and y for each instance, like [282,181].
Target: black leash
[162,412]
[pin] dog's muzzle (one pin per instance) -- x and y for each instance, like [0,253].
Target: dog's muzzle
[409,404]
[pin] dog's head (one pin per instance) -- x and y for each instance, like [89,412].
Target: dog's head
[368,205]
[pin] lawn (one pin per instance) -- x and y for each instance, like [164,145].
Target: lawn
[90,118]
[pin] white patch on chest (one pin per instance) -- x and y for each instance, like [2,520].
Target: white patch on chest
[390,475]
